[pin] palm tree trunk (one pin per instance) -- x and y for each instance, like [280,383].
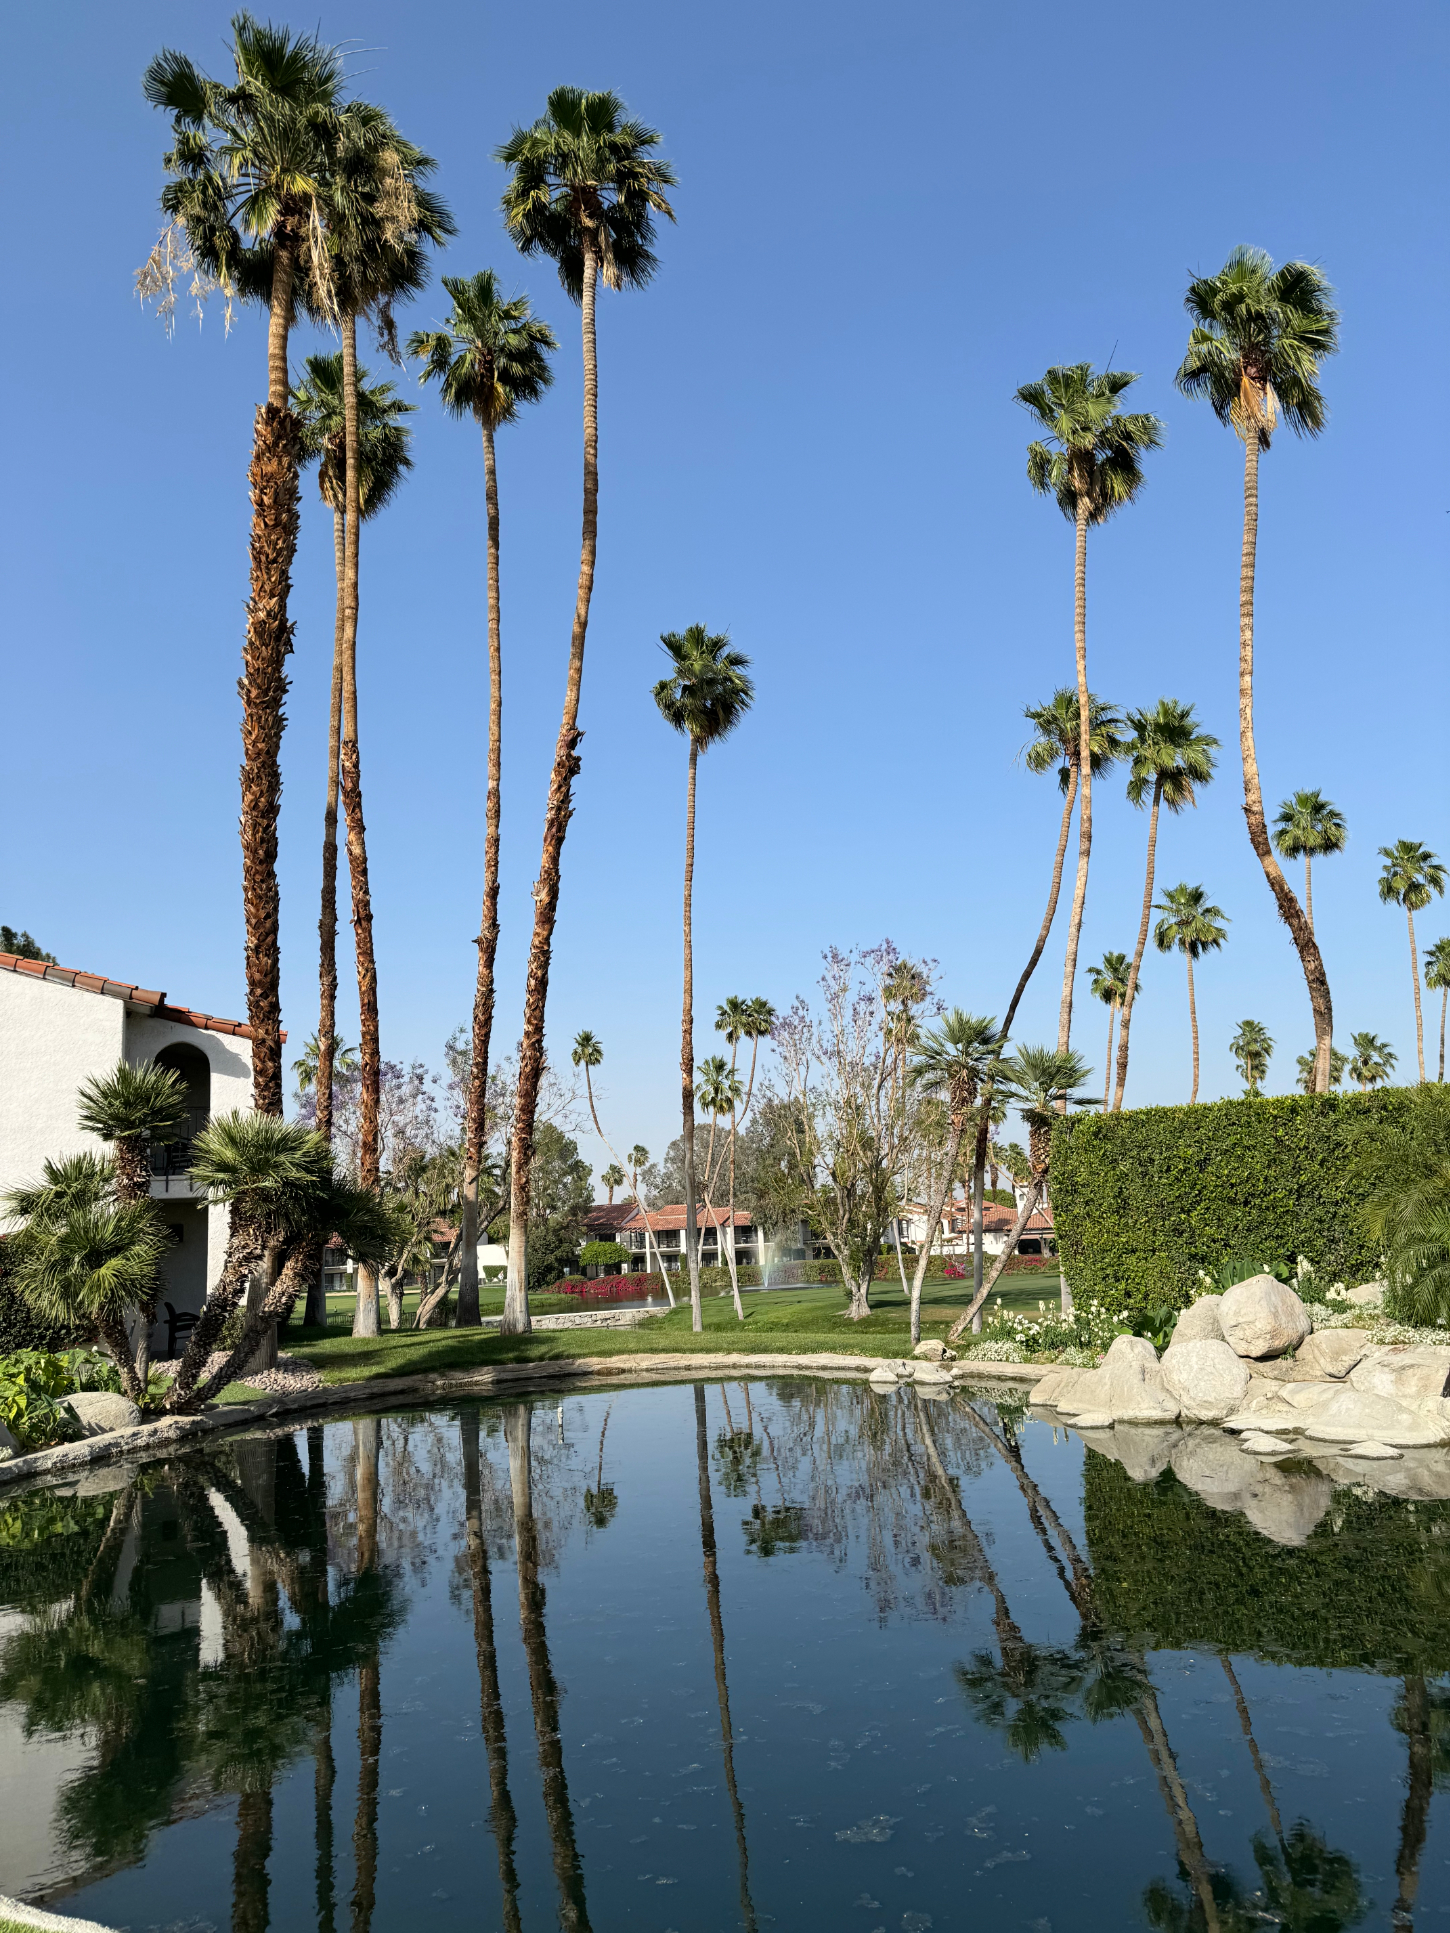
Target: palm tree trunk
[687,1049]
[1308,891]
[1193,1027]
[949,1168]
[249,1870]
[475,1123]
[502,1817]
[1085,768]
[971,1315]
[1246,1726]
[1141,943]
[1108,1071]
[1415,1818]
[734,1271]
[327,919]
[556,822]
[1290,911]
[1444,997]
[272,480]
[1415,980]
[1047,918]
[323,1779]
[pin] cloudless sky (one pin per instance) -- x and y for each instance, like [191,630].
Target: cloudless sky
[889,217]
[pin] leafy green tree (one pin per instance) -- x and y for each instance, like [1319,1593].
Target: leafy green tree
[1169,759]
[1307,826]
[490,359]
[1194,927]
[583,190]
[953,1062]
[1412,876]
[1372,1062]
[1437,979]
[560,1198]
[22,947]
[1259,338]
[1252,1048]
[1090,461]
[704,697]
[1109,983]
[1305,1064]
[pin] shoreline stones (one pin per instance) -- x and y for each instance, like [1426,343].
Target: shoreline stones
[1207,1380]
[1262,1317]
[1127,1386]
[99,1410]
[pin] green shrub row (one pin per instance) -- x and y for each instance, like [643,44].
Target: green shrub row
[1146,1199]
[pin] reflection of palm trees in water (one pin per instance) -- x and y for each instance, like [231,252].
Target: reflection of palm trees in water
[1422,1713]
[501,1807]
[543,1688]
[367,1442]
[717,1640]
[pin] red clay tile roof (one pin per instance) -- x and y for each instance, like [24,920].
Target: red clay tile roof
[674,1217]
[139,1000]
[606,1218]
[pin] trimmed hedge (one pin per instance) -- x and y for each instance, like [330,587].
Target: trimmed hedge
[1145,1199]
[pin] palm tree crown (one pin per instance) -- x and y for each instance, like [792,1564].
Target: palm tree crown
[1189,923]
[1259,338]
[1252,1048]
[1412,875]
[707,693]
[491,356]
[384,439]
[1045,1081]
[1057,740]
[1309,826]
[1437,965]
[1169,753]
[1338,1065]
[1373,1060]
[1109,982]
[1091,460]
[953,1058]
[584,183]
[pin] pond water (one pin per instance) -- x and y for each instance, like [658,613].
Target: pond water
[697,1657]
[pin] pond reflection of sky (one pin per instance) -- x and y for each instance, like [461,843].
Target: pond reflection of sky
[969,1671]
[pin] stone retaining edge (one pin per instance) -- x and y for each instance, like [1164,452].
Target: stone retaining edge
[145,1439]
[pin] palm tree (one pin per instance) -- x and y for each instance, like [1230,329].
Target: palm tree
[489,359]
[584,191]
[588,1053]
[384,457]
[1260,335]
[1306,1063]
[1372,1062]
[638,1159]
[131,1107]
[502,1816]
[247,170]
[611,1178]
[720,1092]
[1252,1050]
[1412,876]
[305,1067]
[1109,983]
[740,1019]
[1091,462]
[1045,1081]
[1169,759]
[1195,928]
[1437,979]
[705,696]
[952,1061]
[1309,827]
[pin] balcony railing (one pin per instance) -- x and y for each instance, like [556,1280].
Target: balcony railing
[171,1159]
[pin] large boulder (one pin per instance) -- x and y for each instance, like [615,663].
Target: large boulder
[1369,1295]
[1261,1317]
[1145,1453]
[1329,1355]
[1206,1379]
[9,1445]
[1199,1321]
[97,1411]
[1058,1382]
[934,1350]
[1127,1385]
[932,1375]
[1416,1375]
[1350,1415]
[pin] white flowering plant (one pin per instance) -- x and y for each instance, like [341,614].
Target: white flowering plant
[1078,1336]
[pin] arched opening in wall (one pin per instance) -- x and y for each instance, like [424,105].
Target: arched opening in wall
[195,1070]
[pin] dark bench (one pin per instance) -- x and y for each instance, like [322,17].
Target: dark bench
[177,1324]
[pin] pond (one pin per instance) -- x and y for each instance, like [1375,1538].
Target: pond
[778,1654]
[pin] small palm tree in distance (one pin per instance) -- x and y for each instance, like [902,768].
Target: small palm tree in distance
[720,1092]
[1259,338]
[1090,460]
[704,697]
[1109,983]
[1437,978]
[1372,1062]
[1194,927]
[1307,826]
[1412,876]
[1304,1080]
[952,1062]
[611,1178]
[1252,1048]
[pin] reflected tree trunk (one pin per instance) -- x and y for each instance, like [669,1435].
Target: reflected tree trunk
[502,1817]
[1248,1730]
[1415,1818]
[717,1640]
[543,1688]
[323,1779]
[367,1442]
[249,1869]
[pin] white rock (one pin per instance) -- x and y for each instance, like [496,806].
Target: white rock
[934,1350]
[1417,1376]
[1199,1321]
[1368,1294]
[933,1374]
[1303,1397]
[98,1411]
[1093,1419]
[882,1381]
[1271,1422]
[1329,1353]
[1205,1378]
[9,1445]
[1058,1382]
[1355,1416]
[1127,1384]
[1262,1317]
[1379,1452]
[1283,1505]
[1258,1444]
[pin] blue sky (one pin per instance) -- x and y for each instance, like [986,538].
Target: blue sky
[888,219]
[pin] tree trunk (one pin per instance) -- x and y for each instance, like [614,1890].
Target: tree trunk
[687,1050]
[1415,1818]
[556,821]
[272,482]
[324,1778]
[1193,1027]
[734,1271]
[249,1868]
[1444,997]
[1246,1726]
[717,1644]
[1085,771]
[1051,913]
[949,1170]
[365,1823]
[1290,911]
[274,1305]
[1415,981]
[327,919]
[971,1315]
[1140,944]
[502,1817]
[244,1251]
[1308,891]
[1108,1072]
[475,1124]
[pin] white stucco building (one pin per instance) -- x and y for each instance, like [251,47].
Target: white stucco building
[60,1027]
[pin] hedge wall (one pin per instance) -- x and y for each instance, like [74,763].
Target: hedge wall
[1145,1199]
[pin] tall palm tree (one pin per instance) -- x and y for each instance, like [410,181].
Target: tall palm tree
[1195,928]
[1412,876]
[384,458]
[1437,979]
[489,359]
[952,1061]
[1091,462]
[705,696]
[247,171]
[1259,338]
[638,1159]
[1252,1049]
[720,1093]
[1372,1062]
[1109,983]
[1045,1081]
[1306,1063]
[1308,826]
[502,1816]
[611,1178]
[1169,758]
[584,191]
[740,1019]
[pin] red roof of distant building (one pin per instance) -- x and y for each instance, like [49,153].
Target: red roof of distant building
[606,1218]
[673,1216]
[139,1000]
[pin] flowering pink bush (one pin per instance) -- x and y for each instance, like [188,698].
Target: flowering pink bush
[610,1288]
[953,1273]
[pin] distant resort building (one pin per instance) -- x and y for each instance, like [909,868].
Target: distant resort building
[954,1236]
[622,1222]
